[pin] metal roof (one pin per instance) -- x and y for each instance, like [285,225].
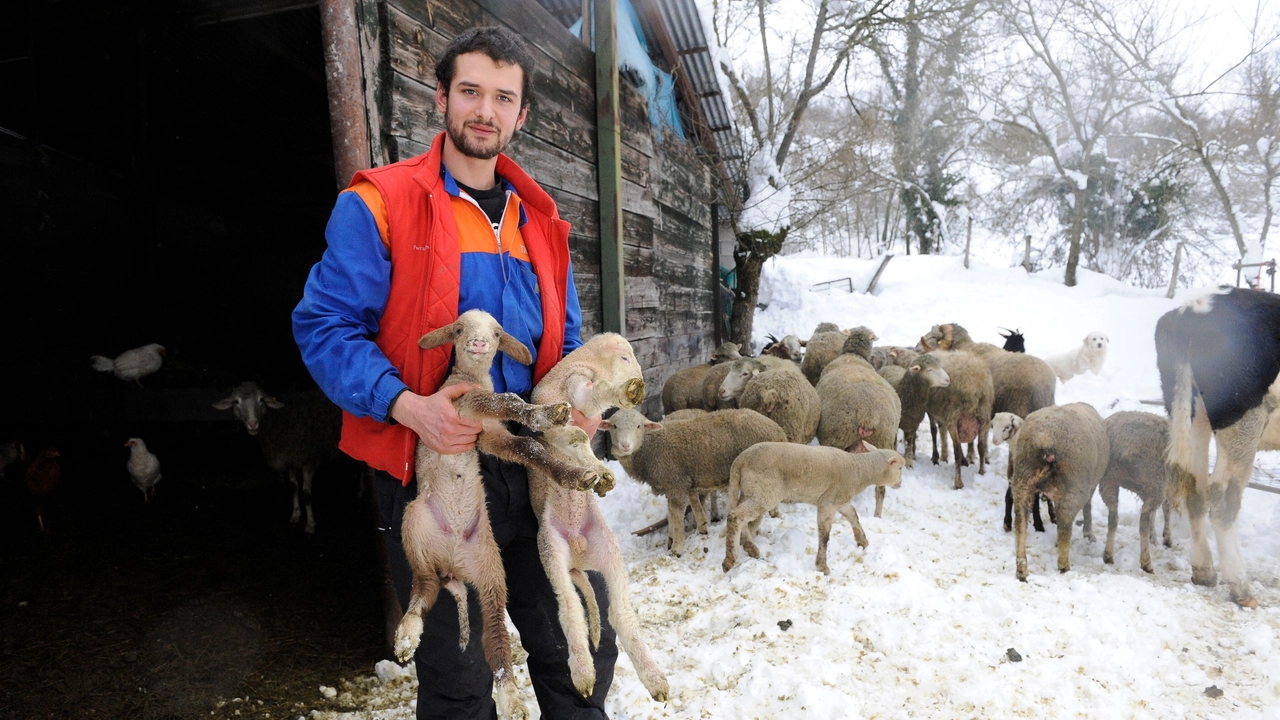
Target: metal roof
[685,28]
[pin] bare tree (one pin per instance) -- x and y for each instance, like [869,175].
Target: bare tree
[775,111]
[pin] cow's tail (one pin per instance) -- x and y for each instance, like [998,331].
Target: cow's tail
[1189,433]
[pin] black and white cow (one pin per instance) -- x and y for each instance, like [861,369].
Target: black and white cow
[1218,357]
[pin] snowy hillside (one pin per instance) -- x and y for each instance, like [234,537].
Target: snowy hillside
[920,624]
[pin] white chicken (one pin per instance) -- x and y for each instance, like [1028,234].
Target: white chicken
[131,364]
[144,468]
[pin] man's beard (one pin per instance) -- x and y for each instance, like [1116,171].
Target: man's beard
[472,147]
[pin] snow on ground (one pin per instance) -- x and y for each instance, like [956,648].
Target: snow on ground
[921,622]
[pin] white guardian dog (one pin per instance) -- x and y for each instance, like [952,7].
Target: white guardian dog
[1089,355]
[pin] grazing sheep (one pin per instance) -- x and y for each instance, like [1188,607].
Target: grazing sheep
[914,385]
[573,536]
[962,409]
[776,389]
[1089,355]
[295,437]
[687,458]
[1004,428]
[684,388]
[1218,357]
[1138,443]
[446,532]
[1014,341]
[821,349]
[857,404]
[771,473]
[1063,453]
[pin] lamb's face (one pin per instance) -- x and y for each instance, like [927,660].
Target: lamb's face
[248,404]
[933,374]
[740,373]
[1096,342]
[626,430]
[477,334]
[892,475]
[1004,426]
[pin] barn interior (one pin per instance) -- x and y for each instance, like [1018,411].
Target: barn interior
[166,172]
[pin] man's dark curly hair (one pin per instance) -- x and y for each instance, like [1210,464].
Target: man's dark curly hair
[500,44]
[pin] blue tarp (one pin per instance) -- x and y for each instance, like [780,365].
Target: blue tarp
[657,86]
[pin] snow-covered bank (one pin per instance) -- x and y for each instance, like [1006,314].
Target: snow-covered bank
[921,622]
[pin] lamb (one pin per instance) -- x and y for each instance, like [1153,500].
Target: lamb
[687,458]
[711,388]
[1063,453]
[1138,442]
[1005,427]
[446,532]
[1218,357]
[684,388]
[769,473]
[857,404]
[963,408]
[821,349]
[573,536]
[776,389]
[1089,355]
[296,438]
[914,385]
[789,347]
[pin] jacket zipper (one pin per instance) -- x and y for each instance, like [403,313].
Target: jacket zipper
[497,228]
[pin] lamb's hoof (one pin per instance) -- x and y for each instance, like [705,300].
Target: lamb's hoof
[407,635]
[823,567]
[550,416]
[1064,569]
[605,483]
[1247,602]
[751,550]
[1022,570]
[1038,528]
[1110,559]
[1204,577]
[585,678]
[1168,543]
[1146,568]
[959,485]
[728,564]
[510,704]
[633,391]
[296,517]
[1008,527]
[657,686]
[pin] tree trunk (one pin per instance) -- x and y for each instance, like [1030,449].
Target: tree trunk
[1077,230]
[749,254]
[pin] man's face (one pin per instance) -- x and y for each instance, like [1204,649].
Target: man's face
[482,108]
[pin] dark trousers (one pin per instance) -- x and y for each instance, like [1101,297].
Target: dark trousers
[455,684]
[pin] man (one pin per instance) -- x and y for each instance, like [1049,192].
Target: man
[410,246]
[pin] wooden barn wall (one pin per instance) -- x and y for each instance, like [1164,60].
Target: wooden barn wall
[666,211]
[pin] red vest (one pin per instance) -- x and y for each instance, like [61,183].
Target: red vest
[425,262]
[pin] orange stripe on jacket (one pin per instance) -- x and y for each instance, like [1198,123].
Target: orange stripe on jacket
[368,192]
[475,233]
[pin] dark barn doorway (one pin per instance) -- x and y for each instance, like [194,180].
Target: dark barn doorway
[166,173]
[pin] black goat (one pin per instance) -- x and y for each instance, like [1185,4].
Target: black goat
[1013,340]
[1218,355]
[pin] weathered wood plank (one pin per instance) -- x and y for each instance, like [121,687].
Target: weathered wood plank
[539,28]
[553,167]
[637,230]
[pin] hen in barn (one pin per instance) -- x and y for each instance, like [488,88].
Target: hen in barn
[10,453]
[144,468]
[131,364]
[42,478]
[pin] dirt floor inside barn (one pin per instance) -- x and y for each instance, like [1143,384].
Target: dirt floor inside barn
[177,607]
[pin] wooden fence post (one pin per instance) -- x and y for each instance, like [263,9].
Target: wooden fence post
[1177,261]
[968,238]
[609,167]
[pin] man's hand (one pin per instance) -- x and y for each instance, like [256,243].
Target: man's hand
[436,421]
[584,422]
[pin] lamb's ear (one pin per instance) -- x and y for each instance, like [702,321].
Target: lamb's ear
[604,425]
[439,336]
[225,403]
[514,349]
[273,403]
[896,461]
[914,368]
[869,447]
[652,425]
